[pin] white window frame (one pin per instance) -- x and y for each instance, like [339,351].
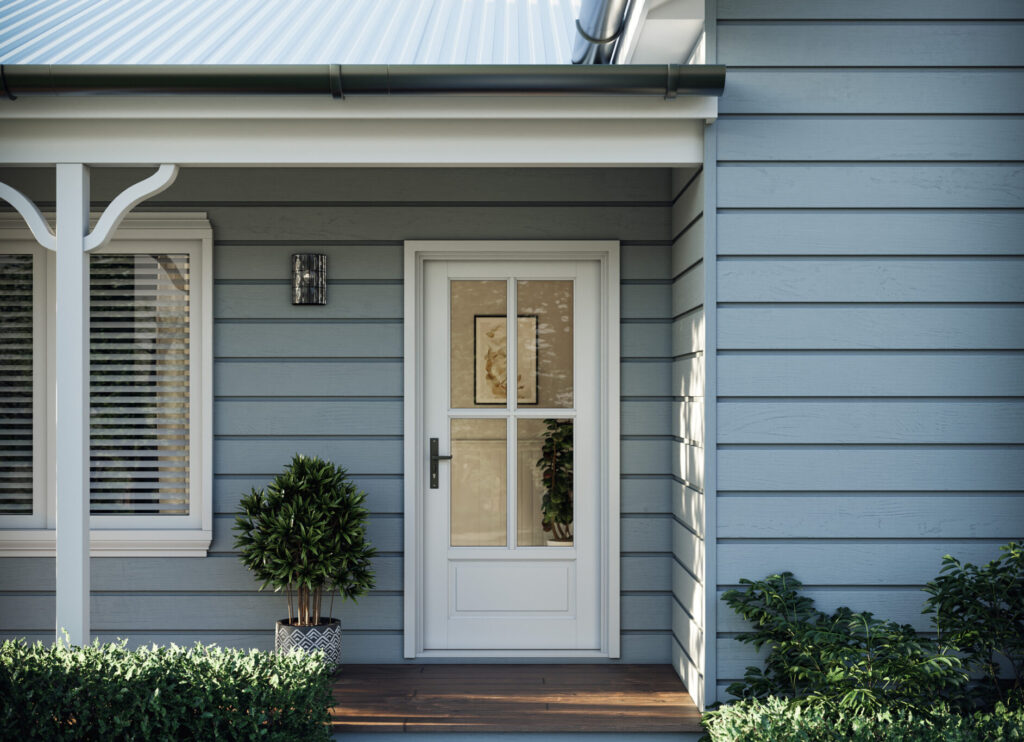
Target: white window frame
[131,535]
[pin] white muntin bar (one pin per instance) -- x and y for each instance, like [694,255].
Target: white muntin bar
[72,376]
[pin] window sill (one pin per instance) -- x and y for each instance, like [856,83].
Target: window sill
[109,543]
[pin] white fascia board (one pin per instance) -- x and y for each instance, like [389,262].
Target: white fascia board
[354,143]
[429,107]
[309,132]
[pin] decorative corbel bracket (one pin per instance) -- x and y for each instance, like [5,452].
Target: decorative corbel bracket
[112,216]
[41,229]
[128,199]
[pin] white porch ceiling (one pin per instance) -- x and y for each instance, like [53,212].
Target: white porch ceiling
[287,31]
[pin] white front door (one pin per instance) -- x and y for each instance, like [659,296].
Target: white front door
[511,523]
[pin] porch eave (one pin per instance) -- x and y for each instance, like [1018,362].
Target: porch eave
[437,131]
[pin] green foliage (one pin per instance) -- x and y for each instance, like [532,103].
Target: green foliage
[106,692]
[307,533]
[782,720]
[846,661]
[980,612]
[555,465]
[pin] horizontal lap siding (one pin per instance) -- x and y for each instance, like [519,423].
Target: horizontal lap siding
[328,380]
[647,485]
[687,414]
[870,363]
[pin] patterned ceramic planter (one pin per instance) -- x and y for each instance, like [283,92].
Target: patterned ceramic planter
[326,636]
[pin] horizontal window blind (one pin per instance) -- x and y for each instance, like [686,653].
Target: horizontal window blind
[16,385]
[139,384]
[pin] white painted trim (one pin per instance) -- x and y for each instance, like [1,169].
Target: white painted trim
[127,200]
[202,479]
[660,142]
[514,653]
[129,535]
[37,224]
[399,131]
[611,318]
[127,543]
[412,390]
[301,108]
[606,252]
[709,694]
[71,309]
[49,452]
[710,525]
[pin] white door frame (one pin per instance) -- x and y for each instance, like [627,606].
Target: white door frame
[606,253]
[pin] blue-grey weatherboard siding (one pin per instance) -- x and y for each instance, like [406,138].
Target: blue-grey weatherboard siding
[688,365]
[870,344]
[328,380]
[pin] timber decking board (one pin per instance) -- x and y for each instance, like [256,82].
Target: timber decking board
[512,698]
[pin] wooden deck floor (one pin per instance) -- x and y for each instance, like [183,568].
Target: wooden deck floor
[512,698]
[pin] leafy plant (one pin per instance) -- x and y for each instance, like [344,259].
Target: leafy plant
[306,534]
[848,661]
[980,612]
[107,692]
[782,619]
[782,720]
[555,465]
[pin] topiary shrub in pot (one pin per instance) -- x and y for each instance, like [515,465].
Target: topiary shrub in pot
[305,535]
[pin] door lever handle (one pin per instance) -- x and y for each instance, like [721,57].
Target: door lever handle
[434,458]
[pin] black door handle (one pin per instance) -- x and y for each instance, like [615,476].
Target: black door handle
[434,458]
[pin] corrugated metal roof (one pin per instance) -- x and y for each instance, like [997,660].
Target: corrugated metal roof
[287,31]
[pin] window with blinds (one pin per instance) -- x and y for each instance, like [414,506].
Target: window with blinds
[16,385]
[139,384]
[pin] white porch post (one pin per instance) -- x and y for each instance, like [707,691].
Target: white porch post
[72,371]
[72,243]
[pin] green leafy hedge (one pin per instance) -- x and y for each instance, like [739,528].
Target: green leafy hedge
[851,661]
[979,611]
[851,676]
[781,720]
[860,664]
[107,692]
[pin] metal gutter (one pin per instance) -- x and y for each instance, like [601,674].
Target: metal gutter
[339,81]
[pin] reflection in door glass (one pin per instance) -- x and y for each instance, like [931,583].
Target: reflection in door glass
[544,501]
[478,487]
[478,343]
[546,342]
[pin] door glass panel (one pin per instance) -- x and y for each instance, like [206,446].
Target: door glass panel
[478,343]
[545,342]
[478,488]
[544,501]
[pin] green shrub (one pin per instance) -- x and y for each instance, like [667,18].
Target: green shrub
[846,661]
[782,720]
[107,692]
[980,612]
[306,534]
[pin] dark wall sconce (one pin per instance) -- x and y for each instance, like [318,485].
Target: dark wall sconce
[309,279]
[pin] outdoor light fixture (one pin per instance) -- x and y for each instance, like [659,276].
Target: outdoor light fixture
[309,279]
